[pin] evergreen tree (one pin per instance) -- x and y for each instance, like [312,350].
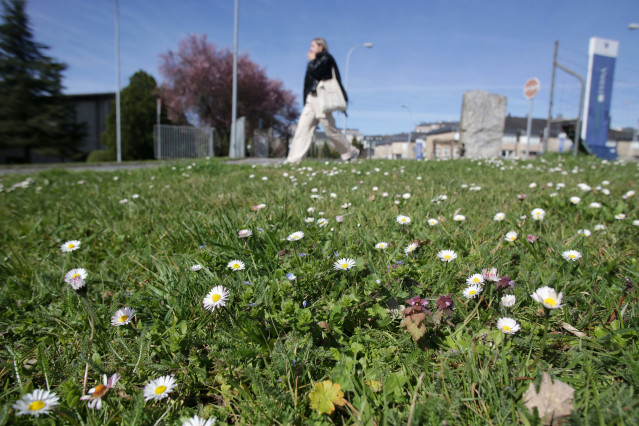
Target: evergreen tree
[34,114]
[138,115]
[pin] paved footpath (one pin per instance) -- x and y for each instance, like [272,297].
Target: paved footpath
[35,168]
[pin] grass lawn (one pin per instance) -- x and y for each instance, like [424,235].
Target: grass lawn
[381,292]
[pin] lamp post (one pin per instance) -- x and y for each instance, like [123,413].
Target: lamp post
[348,60]
[118,126]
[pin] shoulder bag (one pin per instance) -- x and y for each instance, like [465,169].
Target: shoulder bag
[330,95]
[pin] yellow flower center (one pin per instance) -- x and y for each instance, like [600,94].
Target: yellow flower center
[70,246]
[236,266]
[344,265]
[572,256]
[99,391]
[472,292]
[75,276]
[123,318]
[36,405]
[505,328]
[549,301]
[160,389]
[475,280]
[216,297]
[447,256]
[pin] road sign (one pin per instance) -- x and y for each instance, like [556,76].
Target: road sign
[531,88]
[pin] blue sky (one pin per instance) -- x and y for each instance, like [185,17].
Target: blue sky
[426,54]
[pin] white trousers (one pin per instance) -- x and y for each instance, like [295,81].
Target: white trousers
[306,126]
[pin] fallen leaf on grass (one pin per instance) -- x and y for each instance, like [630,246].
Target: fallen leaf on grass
[573,330]
[325,396]
[553,401]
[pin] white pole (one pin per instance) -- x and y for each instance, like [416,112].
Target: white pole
[232,143]
[118,132]
[528,128]
[159,111]
[348,61]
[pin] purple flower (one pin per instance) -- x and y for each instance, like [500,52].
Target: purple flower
[303,254]
[248,282]
[339,219]
[304,303]
[399,262]
[290,276]
[532,238]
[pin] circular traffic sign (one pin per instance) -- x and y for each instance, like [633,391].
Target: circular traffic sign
[531,88]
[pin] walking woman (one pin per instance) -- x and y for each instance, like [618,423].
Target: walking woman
[319,68]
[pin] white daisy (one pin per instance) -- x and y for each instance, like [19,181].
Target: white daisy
[244,233]
[508,325]
[476,279]
[472,291]
[548,297]
[124,201]
[217,297]
[406,196]
[635,222]
[575,200]
[511,236]
[584,232]
[594,205]
[344,264]
[345,205]
[310,210]
[620,216]
[499,217]
[95,394]
[75,278]
[122,316]
[508,300]
[235,265]
[447,255]
[459,218]
[309,220]
[532,185]
[433,222]
[159,388]
[296,236]
[572,255]
[538,214]
[196,421]
[403,220]
[196,267]
[38,402]
[411,248]
[600,227]
[70,246]
[322,222]
[381,246]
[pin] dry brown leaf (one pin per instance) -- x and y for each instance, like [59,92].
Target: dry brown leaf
[573,330]
[553,401]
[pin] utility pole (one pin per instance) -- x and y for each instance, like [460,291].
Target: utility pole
[118,126]
[552,91]
[232,143]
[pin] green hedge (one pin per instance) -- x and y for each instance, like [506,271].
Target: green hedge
[100,156]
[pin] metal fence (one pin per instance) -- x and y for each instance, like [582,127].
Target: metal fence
[182,141]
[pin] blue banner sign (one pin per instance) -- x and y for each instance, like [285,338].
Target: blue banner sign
[601,66]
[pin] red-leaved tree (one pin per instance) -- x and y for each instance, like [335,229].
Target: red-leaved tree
[198,89]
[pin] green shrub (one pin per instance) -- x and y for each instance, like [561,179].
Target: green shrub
[100,156]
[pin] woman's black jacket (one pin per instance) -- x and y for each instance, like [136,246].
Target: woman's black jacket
[320,69]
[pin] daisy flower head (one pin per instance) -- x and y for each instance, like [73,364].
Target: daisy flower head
[95,394]
[499,217]
[406,196]
[122,316]
[472,291]
[572,255]
[538,214]
[490,274]
[159,388]
[403,220]
[309,220]
[508,300]
[459,218]
[620,216]
[447,255]
[511,236]
[411,248]
[433,222]
[196,267]
[75,278]
[322,222]
[508,325]
[475,279]
[584,232]
[594,205]
[235,265]
[381,246]
[600,227]
[295,236]
[345,205]
[196,421]
[38,402]
[344,264]
[575,200]
[70,246]
[548,297]
[635,222]
[217,297]
[244,233]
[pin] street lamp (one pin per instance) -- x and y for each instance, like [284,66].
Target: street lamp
[633,26]
[348,60]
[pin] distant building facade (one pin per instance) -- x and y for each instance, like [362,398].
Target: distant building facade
[93,110]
